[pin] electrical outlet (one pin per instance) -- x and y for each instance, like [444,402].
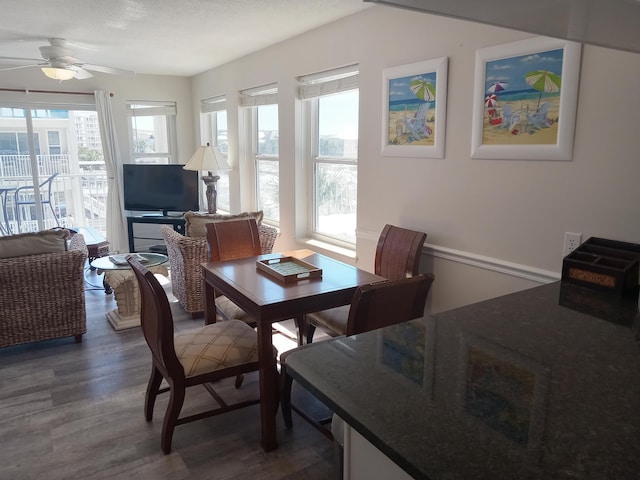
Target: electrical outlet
[571,242]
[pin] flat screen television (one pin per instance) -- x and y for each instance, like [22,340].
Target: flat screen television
[165,188]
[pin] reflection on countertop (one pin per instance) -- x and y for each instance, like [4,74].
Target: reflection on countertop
[540,384]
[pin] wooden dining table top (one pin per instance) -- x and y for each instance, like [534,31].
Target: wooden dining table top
[269,299]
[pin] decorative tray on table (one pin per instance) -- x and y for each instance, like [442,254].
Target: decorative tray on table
[288,269]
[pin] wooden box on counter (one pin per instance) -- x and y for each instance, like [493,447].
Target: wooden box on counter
[605,265]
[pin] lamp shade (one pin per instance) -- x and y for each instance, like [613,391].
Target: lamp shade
[58,73]
[207,158]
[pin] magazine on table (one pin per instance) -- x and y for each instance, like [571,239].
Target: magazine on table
[121,259]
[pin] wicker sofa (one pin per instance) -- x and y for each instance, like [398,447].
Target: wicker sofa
[42,294]
[187,252]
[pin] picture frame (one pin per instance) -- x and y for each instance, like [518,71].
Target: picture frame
[407,351]
[503,390]
[414,109]
[525,100]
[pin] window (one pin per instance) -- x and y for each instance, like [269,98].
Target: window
[214,130]
[330,112]
[37,143]
[262,108]
[17,143]
[53,137]
[152,131]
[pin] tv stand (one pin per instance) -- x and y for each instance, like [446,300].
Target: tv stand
[156,219]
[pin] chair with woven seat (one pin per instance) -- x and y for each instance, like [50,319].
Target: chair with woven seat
[186,253]
[195,357]
[228,241]
[26,196]
[397,256]
[373,306]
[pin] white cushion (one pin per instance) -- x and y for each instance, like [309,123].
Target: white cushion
[334,319]
[230,310]
[216,346]
[46,241]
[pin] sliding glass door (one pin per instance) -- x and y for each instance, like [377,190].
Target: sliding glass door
[52,170]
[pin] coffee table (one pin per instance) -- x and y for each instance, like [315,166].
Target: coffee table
[125,287]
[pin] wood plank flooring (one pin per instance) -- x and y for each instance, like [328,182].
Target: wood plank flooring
[75,411]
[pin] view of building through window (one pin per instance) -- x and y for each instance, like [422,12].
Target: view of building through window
[66,145]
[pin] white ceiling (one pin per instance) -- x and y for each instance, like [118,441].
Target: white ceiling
[164,37]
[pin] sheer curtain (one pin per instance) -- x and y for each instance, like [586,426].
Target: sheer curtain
[116,223]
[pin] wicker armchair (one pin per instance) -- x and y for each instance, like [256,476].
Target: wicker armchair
[42,296]
[185,256]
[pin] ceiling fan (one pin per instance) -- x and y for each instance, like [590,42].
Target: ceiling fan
[60,63]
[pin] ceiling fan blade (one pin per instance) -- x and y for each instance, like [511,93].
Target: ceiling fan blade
[103,69]
[81,73]
[14,60]
[22,66]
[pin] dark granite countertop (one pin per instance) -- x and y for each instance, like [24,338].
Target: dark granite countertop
[539,384]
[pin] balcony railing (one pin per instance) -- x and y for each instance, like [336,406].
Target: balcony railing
[79,193]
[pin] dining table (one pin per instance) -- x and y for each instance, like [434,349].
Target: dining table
[268,299]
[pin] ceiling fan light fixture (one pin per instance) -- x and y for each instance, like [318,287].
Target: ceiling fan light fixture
[58,73]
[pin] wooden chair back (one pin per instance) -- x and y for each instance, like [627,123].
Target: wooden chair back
[398,252]
[233,239]
[388,302]
[156,321]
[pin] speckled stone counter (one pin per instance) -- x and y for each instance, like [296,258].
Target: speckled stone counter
[540,384]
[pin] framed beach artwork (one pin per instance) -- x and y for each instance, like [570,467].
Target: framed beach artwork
[414,109]
[503,390]
[525,100]
[407,351]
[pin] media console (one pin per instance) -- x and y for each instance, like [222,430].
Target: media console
[176,221]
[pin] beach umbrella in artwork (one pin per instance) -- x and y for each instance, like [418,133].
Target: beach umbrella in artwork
[544,81]
[491,100]
[497,87]
[423,89]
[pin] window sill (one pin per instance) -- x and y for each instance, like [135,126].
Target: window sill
[330,248]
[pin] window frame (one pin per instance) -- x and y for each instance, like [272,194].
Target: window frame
[142,108]
[250,101]
[210,109]
[312,88]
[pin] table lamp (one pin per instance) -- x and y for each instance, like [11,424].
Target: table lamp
[208,158]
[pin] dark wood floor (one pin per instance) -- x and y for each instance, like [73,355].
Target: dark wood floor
[75,411]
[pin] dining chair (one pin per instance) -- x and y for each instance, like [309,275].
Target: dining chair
[228,241]
[26,196]
[373,306]
[194,357]
[397,256]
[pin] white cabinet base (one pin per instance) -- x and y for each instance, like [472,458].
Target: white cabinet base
[363,461]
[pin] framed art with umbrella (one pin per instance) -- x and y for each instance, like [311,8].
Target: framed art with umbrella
[525,100]
[414,103]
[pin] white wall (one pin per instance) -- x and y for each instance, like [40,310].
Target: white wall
[493,226]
